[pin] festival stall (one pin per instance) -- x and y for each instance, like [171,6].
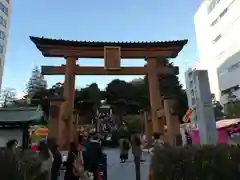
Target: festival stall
[37,133]
[14,123]
[228,131]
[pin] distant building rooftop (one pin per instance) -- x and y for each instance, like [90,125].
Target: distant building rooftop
[20,115]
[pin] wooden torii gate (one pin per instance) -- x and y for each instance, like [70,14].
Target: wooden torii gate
[155,54]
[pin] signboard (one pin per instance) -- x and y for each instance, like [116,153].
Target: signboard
[41,132]
[112,57]
[187,116]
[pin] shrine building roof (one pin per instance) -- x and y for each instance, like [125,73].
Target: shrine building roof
[52,47]
[20,115]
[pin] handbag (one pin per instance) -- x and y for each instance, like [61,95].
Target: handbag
[86,176]
[78,167]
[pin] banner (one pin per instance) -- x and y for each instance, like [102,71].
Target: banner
[187,116]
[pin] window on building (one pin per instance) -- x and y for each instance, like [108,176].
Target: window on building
[234,67]
[212,4]
[190,75]
[196,118]
[193,101]
[2,35]
[3,8]
[229,90]
[222,72]
[223,13]
[217,38]
[214,22]
[192,93]
[191,84]
[220,16]
[1,49]
[230,68]
[3,22]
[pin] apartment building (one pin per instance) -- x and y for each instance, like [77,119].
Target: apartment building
[5,11]
[217,26]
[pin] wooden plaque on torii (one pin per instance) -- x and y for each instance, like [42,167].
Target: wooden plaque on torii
[112,58]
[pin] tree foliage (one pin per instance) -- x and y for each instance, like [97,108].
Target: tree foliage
[124,97]
[88,98]
[36,82]
[196,162]
[217,108]
[134,123]
[8,96]
[232,107]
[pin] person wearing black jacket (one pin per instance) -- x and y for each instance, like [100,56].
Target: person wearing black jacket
[72,154]
[137,153]
[94,155]
[57,162]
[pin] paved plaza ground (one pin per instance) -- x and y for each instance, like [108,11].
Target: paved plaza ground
[118,171]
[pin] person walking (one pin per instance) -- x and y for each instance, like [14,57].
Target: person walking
[57,162]
[83,141]
[46,158]
[94,156]
[158,142]
[71,162]
[137,153]
[9,164]
[124,148]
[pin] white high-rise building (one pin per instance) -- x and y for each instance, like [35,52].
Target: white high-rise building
[217,25]
[5,11]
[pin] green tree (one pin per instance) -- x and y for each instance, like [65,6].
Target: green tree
[8,96]
[218,109]
[231,97]
[141,93]
[130,97]
[134,123]
[57,89]
[170,86]
[36,82]
[232,107]
[88,99]
[122,97]
[118,89]
[182,104]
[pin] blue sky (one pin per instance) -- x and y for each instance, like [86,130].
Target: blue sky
[106,20]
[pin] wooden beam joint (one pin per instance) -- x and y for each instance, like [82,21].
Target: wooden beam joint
[160,113]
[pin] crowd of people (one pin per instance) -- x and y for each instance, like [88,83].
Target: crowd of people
[137,142]
[85,156]
[48,156]
[82,162]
